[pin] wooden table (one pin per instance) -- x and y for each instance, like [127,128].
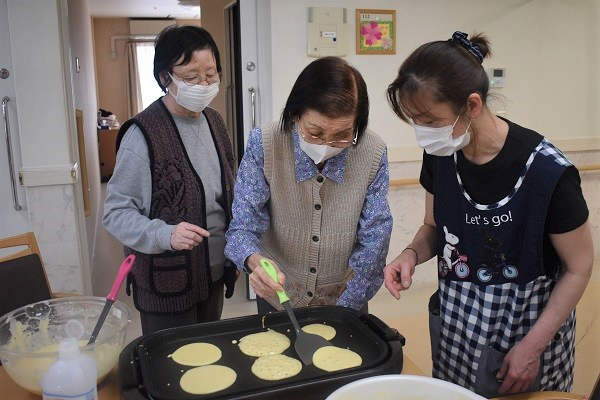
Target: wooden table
[109,387]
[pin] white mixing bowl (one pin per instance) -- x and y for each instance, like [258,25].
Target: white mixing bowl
[402,387]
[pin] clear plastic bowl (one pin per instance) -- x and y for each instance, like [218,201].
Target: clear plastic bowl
[405,387]
[29,336]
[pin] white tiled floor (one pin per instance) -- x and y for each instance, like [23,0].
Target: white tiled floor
[409,315]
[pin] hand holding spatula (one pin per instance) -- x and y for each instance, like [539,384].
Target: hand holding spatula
[306,343]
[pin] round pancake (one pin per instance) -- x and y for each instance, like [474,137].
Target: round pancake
[276,367]
[207,379]
[331,358]
[264,343]
[325,331]
[197,354]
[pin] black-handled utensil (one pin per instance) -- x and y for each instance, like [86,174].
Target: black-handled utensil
[306,343]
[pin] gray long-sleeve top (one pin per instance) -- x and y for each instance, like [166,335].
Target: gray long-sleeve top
[129,191]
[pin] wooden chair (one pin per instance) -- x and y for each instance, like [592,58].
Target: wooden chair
[23,279]
[25,239]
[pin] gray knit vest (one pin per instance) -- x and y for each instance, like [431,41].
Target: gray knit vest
[174,281]
[313,223]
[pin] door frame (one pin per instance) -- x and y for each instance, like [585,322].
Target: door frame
[233,91]
[251,74]
[255,47]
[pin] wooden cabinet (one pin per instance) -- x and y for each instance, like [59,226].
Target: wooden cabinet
[107,139]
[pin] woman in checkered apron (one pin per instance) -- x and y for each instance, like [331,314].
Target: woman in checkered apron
[506,218]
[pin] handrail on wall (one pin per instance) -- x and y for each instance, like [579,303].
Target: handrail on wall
[403,182]
[11,164]
[591,167]
[415,181]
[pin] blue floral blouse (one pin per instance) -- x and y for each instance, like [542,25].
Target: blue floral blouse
[251,217]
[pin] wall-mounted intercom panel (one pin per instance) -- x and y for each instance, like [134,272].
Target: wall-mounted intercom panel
[327,31]
[497,77]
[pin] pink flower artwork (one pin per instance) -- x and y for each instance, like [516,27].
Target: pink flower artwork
[371,32]
[386,42]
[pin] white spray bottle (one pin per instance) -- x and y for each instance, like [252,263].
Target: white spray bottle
[73,376]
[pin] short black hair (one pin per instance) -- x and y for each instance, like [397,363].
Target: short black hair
[175,42]
[442,69]
[329,86]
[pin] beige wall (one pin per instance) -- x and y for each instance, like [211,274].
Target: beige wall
[549,50]
[112,74]
[214,21]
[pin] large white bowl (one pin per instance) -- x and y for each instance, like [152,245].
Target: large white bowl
[29,336]
[402,387]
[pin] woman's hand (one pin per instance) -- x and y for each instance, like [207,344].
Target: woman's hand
[260,281]
[519,369]
[186,236]
[398,274]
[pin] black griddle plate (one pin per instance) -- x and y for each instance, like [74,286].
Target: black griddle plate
[156,376]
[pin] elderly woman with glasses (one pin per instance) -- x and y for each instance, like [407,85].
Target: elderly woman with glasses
[311,196]
[169,199]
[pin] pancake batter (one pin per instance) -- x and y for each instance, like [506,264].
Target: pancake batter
[331,358]
[207,379]
[276,367]
[325,331]
[197,354]
[264,343]
[27,372]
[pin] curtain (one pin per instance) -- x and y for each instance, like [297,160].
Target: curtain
[134,92]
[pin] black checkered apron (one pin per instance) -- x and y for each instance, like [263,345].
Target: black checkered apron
[498,316]
[481,320]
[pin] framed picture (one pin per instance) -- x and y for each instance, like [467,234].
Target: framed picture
[375,31]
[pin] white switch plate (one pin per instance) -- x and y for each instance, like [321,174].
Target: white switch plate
[327,31]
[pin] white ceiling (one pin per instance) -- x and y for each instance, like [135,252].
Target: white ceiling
[144,8]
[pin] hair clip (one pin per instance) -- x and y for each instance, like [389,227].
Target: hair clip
[461,39]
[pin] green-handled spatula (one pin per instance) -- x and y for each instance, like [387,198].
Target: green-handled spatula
[306,343]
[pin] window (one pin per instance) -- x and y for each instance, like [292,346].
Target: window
[149,89]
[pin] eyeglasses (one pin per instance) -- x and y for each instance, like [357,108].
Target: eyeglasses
[198,79]
[336,143]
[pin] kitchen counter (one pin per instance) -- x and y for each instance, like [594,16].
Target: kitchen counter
[109,387]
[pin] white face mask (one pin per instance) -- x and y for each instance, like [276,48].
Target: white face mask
[194,97]
[318,152]
[439,141]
